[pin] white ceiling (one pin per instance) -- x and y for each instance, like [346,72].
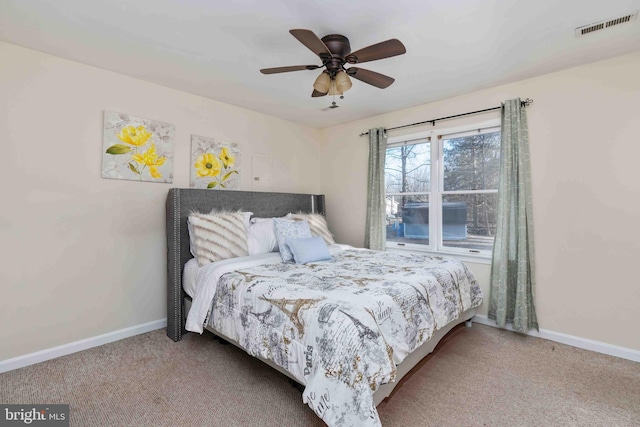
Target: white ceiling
[215,48]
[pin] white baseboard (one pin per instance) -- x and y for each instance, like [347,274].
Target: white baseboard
[63,350]
[584,343]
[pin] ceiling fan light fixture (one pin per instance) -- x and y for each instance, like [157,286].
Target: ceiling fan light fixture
[322,83]
[333,91]
[343,82]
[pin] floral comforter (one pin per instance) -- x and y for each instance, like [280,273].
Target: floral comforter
[340,326]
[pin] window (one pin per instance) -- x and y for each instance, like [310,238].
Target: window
[441,189]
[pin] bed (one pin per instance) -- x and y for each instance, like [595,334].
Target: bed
[310,321]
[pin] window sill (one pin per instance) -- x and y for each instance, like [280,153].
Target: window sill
[476,259]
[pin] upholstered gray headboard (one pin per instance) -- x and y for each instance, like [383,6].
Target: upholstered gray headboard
[182,201]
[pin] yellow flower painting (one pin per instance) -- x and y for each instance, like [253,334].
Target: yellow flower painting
[137,149]
[215,163]
[151,159]
[227,158]
[137,136]
[207,165]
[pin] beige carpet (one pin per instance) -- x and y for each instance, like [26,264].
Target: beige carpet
[479,376]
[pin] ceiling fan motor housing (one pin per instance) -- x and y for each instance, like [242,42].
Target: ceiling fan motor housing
[337,44]
[340,47]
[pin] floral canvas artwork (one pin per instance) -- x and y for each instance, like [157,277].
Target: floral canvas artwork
[214,163]
[137,149]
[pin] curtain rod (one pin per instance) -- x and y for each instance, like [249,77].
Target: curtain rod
[524,103]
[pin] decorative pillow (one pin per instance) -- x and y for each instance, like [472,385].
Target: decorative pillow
[192,242]
[308,250]
[262,236]
[317,225]
[218,235]
[286,229]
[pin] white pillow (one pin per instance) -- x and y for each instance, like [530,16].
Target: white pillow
[262,236]
[218,235]
[317,225]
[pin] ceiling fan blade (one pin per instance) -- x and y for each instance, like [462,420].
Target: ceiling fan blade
[316,94]
[370,77]
[380,50]
[313,42]
[287,69]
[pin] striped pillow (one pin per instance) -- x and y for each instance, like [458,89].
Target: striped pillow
[317,225]
[218,235]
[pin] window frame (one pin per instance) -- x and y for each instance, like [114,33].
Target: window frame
[436,191]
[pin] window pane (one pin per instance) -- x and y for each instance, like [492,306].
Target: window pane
[472,162]
[408,219]
[407,168]
[469,220]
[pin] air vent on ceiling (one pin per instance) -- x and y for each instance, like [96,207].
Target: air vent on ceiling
[607,23]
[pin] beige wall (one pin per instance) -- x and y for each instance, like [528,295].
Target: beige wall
[584,129]
[81,255]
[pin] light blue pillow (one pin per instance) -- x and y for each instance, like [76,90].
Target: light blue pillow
[308,250]
[287,229]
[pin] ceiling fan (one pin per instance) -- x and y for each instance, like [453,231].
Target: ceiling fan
[334,51]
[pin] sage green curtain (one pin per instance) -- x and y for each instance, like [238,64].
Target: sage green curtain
[375,232]
[511,295]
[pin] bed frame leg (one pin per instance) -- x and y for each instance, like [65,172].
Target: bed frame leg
[468,323]
[296,385]
[220,339]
